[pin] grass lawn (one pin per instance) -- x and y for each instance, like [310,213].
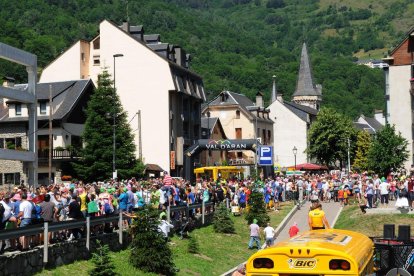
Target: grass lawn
[218,252]
[351,218]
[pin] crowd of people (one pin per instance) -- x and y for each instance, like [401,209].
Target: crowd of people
[75,200]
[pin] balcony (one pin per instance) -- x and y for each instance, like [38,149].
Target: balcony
[58,154]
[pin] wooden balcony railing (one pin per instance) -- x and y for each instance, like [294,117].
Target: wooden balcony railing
[58,154]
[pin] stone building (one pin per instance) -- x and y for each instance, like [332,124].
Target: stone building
[69,101]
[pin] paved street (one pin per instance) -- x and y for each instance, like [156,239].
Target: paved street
[301,217]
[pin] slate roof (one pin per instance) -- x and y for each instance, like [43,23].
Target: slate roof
[67,94]
[208,122]
[152,38]
[372,122]
[305,85]
[364,127]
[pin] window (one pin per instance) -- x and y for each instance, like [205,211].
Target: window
[97,44]
[96,61]
[18,109]
[1,143]
[18,143]
[42,108]
[83,57]
[237,114]
[12,178]
[238,133]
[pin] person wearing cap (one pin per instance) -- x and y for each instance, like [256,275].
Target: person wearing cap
[293,230]
[254,235]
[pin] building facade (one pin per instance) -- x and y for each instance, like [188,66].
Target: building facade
[399,90]
[293,119]
[241,118]
[151,78]
[69,100]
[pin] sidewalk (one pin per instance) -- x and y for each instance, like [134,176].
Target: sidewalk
[331,209]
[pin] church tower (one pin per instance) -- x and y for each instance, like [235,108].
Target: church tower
[307,93]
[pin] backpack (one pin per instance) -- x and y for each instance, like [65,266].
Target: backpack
[108,209]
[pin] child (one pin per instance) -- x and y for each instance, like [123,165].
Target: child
[293,230]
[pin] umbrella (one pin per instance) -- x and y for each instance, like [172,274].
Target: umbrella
[309,167]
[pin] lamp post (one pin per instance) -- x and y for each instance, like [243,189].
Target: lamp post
[114,122]
[295,151]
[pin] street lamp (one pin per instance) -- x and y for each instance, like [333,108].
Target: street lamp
[114,122]
[295,151]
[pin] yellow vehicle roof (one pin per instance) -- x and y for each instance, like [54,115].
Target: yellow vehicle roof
[347,244]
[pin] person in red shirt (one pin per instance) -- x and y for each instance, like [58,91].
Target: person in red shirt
[293,230]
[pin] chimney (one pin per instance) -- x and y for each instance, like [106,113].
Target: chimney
[279,97]
[125,26]
[187,61]
[379,116]
[259,99]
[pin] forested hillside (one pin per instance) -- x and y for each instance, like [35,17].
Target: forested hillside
[235,44]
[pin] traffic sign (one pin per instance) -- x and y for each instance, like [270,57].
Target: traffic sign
[265,155]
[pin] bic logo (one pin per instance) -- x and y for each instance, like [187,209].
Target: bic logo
[302,263]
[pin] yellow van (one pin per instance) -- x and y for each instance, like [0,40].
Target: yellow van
[318,252]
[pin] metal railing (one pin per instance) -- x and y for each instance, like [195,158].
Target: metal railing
[47,227]
[86,223]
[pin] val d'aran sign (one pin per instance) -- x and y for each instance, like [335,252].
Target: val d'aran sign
[240,144]
[223,144]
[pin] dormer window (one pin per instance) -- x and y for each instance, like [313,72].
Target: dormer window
[42,108]
[18,109]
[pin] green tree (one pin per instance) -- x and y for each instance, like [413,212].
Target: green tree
[388,151]
[328,137]
[149,250]
[193,247]
[222,222]
[257,206]
[96,156]
[102,261]
[363,144]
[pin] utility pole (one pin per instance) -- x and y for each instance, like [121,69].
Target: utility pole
[139,135]
[50,135]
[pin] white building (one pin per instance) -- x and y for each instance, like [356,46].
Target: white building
[293,119]
[399,90]
[152,78]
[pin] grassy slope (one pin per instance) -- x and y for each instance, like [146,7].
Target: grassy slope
[218,252]
[351,218]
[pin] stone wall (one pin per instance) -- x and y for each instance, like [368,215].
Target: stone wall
[31,262]
[11,166]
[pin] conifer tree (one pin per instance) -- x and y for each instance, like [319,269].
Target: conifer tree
[193,247]
[257,206]
[96,157]
[362,147]
[222,222]
[102,261]
[149,250]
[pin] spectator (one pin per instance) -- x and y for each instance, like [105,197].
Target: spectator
[293,230]
[254,234]
[269,234]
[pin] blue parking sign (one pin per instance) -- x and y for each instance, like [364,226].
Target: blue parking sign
[265,154]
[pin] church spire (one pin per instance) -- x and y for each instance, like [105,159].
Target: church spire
[306,93]
[274,91]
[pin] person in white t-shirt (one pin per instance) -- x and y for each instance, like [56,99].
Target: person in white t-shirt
[269,234]
[25,216]
[384,188]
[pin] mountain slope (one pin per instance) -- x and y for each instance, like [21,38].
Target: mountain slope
[235,44]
